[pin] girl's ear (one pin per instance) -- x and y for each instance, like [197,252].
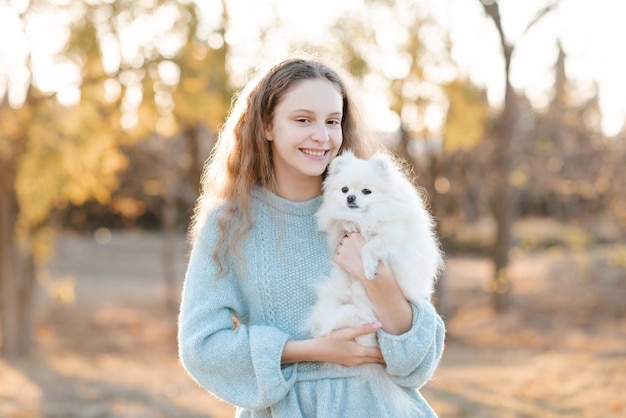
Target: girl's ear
[268,133]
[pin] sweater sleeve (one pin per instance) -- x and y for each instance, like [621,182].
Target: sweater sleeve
[412,357]
[239,364]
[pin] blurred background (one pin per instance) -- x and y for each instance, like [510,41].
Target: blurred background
[511,113]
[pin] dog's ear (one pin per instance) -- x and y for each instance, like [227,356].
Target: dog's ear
[382,164]
[348,152]
[340,161]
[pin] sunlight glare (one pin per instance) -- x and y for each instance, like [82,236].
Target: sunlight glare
[169,73]
[3,85]
[68,95]
[111,58]
[112,90]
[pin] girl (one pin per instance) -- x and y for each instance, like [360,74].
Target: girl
[257,253]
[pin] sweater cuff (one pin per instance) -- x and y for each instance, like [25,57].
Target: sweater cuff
[275,380]
[405,351]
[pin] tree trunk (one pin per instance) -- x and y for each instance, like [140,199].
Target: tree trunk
[192,142]
[17,277]
[8,267]
[27,274]
[169,215]
[503,204]
[508,128]
[504,199]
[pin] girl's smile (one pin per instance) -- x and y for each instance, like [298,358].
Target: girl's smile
[315,154]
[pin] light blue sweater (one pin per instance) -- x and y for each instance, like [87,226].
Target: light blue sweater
[270,295]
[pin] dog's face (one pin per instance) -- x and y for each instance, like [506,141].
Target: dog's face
[355,184]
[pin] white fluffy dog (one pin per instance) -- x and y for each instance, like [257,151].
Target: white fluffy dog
[375,198]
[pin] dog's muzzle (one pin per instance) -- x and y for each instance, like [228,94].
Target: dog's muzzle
[352,202]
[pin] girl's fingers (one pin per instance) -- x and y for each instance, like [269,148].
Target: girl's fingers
[374,354]
[364,329]
[357,354]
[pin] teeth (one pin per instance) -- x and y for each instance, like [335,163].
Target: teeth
[314,153]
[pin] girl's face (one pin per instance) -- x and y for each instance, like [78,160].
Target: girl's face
[305,134]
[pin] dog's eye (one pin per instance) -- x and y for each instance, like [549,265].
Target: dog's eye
[344,189]
[366,191]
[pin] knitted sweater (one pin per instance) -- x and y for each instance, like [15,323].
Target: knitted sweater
[270,295]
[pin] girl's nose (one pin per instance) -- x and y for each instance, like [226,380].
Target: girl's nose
[320,134]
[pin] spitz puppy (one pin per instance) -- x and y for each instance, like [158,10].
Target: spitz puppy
[375,198]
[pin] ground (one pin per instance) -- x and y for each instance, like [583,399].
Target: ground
[106,342]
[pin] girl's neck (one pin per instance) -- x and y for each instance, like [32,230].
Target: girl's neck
[298,191]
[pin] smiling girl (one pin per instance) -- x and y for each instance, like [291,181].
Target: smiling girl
[257,254]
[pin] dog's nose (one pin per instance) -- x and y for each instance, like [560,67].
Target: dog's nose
[351,198]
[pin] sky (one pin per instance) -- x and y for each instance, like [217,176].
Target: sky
[591,34]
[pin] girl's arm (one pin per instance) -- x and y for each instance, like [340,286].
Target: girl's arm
[412,340]
[338,347]
[240,364]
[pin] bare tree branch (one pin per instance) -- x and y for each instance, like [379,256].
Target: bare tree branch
[492,9]
[541,14]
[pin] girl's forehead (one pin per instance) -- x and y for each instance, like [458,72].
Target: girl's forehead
[317,92]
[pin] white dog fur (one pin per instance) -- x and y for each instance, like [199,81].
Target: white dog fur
[375,198]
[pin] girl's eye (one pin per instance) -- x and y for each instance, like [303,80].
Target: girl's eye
[366,191]
[344,189]
[334,122]
[302,120]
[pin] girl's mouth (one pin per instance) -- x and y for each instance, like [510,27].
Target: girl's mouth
[314,153]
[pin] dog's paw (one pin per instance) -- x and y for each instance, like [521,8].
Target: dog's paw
[370,266]
[316,332]
[314,327]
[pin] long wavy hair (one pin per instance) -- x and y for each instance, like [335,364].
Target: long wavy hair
[242,158]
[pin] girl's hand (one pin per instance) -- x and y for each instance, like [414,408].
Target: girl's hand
[348,254]
[388,301]
[338,347]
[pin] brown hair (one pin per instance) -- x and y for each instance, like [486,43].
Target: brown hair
[242,157]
